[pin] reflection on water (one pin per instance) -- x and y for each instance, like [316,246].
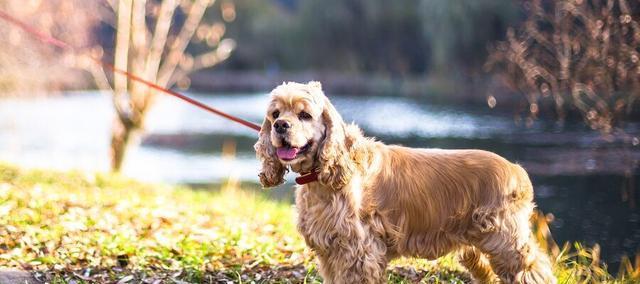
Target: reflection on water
[578,175]
[593,209]
[404,118]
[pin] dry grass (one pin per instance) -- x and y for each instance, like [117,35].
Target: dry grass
[79,228]
[103,228]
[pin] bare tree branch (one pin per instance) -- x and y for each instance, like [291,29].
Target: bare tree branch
[113,5]
[138,35]
[161,31]
[138,46]
[158,43]
[206,60]
[100,77]
[180,44]
[121,61]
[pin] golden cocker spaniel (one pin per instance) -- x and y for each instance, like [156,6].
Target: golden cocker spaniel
[373,202]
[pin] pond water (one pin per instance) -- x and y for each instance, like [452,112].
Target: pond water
[587,182]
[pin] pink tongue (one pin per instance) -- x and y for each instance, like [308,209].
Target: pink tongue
[286,153]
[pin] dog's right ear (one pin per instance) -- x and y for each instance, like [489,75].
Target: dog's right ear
[272,172]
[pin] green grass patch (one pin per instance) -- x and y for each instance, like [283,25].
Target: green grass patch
[72,227]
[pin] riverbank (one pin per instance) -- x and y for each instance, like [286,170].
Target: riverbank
[66,227]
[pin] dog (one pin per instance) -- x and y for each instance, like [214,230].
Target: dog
[363,203]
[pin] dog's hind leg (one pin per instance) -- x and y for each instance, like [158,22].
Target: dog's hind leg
[513,253]
[478,265]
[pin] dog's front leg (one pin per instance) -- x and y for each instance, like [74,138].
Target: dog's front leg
[355,260]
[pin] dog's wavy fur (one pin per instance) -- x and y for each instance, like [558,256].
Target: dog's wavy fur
[375,202]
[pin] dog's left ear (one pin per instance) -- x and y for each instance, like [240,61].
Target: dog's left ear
[336,166]
[272,173]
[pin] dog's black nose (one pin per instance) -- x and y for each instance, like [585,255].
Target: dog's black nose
[281,126]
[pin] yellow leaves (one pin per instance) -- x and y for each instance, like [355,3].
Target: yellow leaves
[65,222]
[125,279]
[5,208]
[4,190]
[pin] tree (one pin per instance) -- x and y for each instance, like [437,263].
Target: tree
[159,55]
[581,54]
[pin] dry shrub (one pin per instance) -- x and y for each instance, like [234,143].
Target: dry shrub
[575,55]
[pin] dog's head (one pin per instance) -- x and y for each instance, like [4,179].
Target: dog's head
[304,132]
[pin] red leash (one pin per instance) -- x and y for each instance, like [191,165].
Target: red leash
[61,44]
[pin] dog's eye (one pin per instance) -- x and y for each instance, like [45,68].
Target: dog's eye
[275,114]
[304,116]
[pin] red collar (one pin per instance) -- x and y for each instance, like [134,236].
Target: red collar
[308,177]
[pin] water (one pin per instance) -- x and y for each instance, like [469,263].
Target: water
[578,176]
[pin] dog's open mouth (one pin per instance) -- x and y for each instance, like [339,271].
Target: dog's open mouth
[288,152]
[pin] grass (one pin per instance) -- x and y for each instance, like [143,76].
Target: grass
[99,228]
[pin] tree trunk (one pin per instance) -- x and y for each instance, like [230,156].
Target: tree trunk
[122,126]
[121,136]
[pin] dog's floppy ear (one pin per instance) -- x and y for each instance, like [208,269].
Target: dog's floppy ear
[272,172]
[336,166]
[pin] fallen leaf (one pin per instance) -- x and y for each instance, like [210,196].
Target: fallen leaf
[125,279]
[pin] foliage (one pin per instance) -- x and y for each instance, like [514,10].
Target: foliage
[459,31]
[581,54]
[104,228]
[401,37]
[75,227]
[363,35]
[398,38]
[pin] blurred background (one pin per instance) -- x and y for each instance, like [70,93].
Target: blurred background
[552,85]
